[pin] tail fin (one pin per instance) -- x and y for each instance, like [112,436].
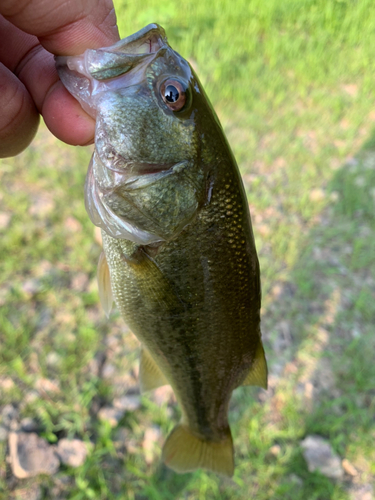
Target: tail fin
[184,452]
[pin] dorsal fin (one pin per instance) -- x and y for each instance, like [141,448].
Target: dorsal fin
[104,284]
[150,375]
[258,372]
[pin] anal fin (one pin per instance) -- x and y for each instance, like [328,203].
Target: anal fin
[185,452]
[258,372]
[150,375]
[104,284]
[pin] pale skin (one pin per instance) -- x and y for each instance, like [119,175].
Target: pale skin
[31,33]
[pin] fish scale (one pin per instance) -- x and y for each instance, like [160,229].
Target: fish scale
[179,254]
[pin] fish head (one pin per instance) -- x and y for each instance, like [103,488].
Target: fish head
[140,92]
[148,105]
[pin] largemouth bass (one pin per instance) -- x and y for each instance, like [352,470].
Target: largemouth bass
[179,254]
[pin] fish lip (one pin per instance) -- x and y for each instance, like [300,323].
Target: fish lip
[129,174]
[131,179]
[144,43]
[146,168]
[126,166]
[121,65]
[152,33]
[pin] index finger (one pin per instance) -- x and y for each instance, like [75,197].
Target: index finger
[64,27]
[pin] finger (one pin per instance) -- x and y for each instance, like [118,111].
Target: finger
[66,119]
[19,118]
[65,27]
[62,113]
[35,67]
[15,45]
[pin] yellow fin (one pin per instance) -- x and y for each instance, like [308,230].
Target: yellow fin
[184,452]
[258,372]
[104,284]
[152,284]
[150,375]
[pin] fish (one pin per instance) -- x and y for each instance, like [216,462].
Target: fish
[179,257]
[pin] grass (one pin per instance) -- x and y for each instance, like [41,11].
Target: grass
[293,85]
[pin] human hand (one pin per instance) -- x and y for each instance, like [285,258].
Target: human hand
[31,31]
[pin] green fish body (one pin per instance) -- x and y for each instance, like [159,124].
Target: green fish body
[179,255]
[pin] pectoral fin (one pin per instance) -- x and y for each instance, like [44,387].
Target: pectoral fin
[150,375]
[258,372]
[104,284]
[153,285]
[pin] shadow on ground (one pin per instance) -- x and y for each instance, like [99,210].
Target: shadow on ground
[319,331]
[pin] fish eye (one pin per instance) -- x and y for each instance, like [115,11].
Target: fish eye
[173,94]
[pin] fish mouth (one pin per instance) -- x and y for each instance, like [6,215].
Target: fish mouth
[96,193]
[119,172]
[140,169]
[118,66]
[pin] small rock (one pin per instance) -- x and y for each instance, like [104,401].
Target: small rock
[53,359]
[29,425]
[72,225]
[349,467]
[3,433]
[132,446]
[31,286]
[108,370]
[30,397]
[98,236]
[317,194]
[121,434]
[351,89]
[42,205]
[9,413]
[43,268]
[32,492]
[120,439]
[362,492]
[94,365]
[296,480]
[72,452]
[275,450]
[6,383]
[79,282]
[62,485]
[320,456]
[110,415]
[95,313]
[163,394]
[151,438]
[130,402]
[125,384]
[263,229]
[44,385]
[31,455]
[4,220]
[276,290]
[334,196]
[360,181]
[34,365]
